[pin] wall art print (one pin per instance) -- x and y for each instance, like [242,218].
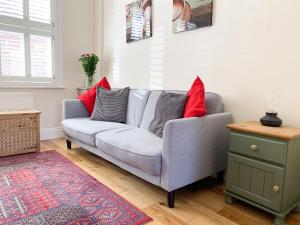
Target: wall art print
[191,14]
[138,20]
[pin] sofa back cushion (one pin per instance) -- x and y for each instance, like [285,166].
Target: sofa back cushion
[137,101]
[149,112]
[214,104]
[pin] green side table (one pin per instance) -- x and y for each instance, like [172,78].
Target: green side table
[264,168]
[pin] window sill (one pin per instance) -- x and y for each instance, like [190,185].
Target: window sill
[32,86]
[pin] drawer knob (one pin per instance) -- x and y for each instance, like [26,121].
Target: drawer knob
[254,147]
[276,188]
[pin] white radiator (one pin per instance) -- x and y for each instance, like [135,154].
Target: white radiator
[16,100]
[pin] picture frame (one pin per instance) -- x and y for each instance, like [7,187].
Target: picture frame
[191,14]
[138,20]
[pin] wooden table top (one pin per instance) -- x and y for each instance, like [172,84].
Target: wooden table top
[18,112]
[284,132]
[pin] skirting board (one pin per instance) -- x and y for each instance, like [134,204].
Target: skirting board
[51,133]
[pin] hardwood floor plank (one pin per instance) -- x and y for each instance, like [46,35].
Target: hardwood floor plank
[208,198]
[293,218]
[162,216]
[206,220]
[240,218]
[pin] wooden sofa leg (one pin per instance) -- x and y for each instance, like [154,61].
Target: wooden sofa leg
[171,199]
[220,177]
[69,144]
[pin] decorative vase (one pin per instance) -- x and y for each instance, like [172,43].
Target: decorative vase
[89,65]
[271,120]
[89,82]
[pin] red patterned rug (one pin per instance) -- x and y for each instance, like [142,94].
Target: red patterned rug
[46,188]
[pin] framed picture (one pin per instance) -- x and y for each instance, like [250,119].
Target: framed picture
[191,14]
[138,20]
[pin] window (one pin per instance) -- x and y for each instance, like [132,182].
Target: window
[28,42]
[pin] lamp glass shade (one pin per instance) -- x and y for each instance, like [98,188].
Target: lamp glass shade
[272,103]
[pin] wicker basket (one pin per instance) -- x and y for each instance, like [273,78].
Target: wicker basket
[19,132]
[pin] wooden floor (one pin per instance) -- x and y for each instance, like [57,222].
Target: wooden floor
[199,204]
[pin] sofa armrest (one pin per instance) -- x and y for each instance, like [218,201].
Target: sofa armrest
[73,108]
[194,148]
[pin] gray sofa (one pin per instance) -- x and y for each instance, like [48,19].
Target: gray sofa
[191,149]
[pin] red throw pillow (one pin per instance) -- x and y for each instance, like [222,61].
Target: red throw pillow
[195,105]
[88,98]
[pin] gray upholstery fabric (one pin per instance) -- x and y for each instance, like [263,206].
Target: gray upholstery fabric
[169,106]
[194,148]
[73,108]
[111,105]
[137,172]
[214,103]
[85,129]
[134,146]
[137,101]
[150,109]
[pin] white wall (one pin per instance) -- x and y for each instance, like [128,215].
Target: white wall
[98,33]
[251,50]
[78,38]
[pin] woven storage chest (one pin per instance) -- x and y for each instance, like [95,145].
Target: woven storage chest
[19,132]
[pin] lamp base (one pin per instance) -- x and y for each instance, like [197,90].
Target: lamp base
[271,120]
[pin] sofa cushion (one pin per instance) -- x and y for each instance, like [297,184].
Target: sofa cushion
[195,105]
[111,106]
[137,101]
[88,98]
[170,106]
[214,103]
[149,112]
[84,129]
[134,146]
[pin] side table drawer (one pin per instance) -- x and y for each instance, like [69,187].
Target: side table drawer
[257,181]
[258,147]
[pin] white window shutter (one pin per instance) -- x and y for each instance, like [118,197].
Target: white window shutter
[40,11]
[12,8]
[12,54]
[27,44]
[41,56]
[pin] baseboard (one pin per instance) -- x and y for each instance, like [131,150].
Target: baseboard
[51,133]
